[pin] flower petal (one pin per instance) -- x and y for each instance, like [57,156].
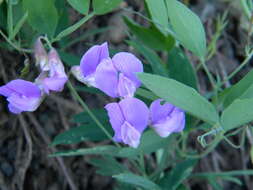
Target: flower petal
[106,78]
[116,119]
[175,122]
[21,87]
[130,135]
[135,112]
[13,109]
[93,57]
[126,87]
[55,65]
[40,55]
[88,80]
[24,103]
[129,65]
[158,111]
[5,91]
[54,84]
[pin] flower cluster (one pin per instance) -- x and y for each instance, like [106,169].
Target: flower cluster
[23,95]
[117,78]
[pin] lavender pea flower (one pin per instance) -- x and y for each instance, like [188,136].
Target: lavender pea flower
[166,118]
[128,118]
[85,73]
[115,77]
[22,95]
[55,78]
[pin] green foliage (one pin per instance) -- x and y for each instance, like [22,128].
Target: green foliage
[42,15]
[151,37]
[178,174]
[104,6]
[158,67]
[180,95]
[238,113]
[82,6]
[108,166]
[137,181]
[242,89]
[187,27]
[150,142]
[78,134]
[159,15]
[181,69]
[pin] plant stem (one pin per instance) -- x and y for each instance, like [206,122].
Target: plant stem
[86,108]
[239,68]
[209,75]
[14,45]
[72,28]
[9,18]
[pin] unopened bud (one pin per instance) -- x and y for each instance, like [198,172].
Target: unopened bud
[40,55]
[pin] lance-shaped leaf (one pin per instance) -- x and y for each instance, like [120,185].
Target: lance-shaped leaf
[238,113]
[159,15]
[187,26]
[242,89]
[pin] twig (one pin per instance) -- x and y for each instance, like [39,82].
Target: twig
[20,175]
[47,141]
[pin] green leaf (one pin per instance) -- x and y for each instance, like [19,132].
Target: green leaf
[238,113]
[158,67]
[100,150]
[178,174]
[83,117]
[181,69]
[108,166]
[69,59]
[137,181]
[146,94]
[72,28]
[188,28]
[242,89]
[42,15]
[82,6]
[151,37]
[79,134]
[104,6]
[181,96]
[150,142]
[159,15]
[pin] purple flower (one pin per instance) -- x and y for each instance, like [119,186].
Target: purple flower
[22,95]
[128,118]
[40,55]
[115,77]
[166,118]
[55,78]
[85,73]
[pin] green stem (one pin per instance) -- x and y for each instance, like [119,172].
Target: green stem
[72,28]
[209,75]
[239,68]
[218,138]
[246,8]
[10,19]
[14,45]
[86,108]
[142,164]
